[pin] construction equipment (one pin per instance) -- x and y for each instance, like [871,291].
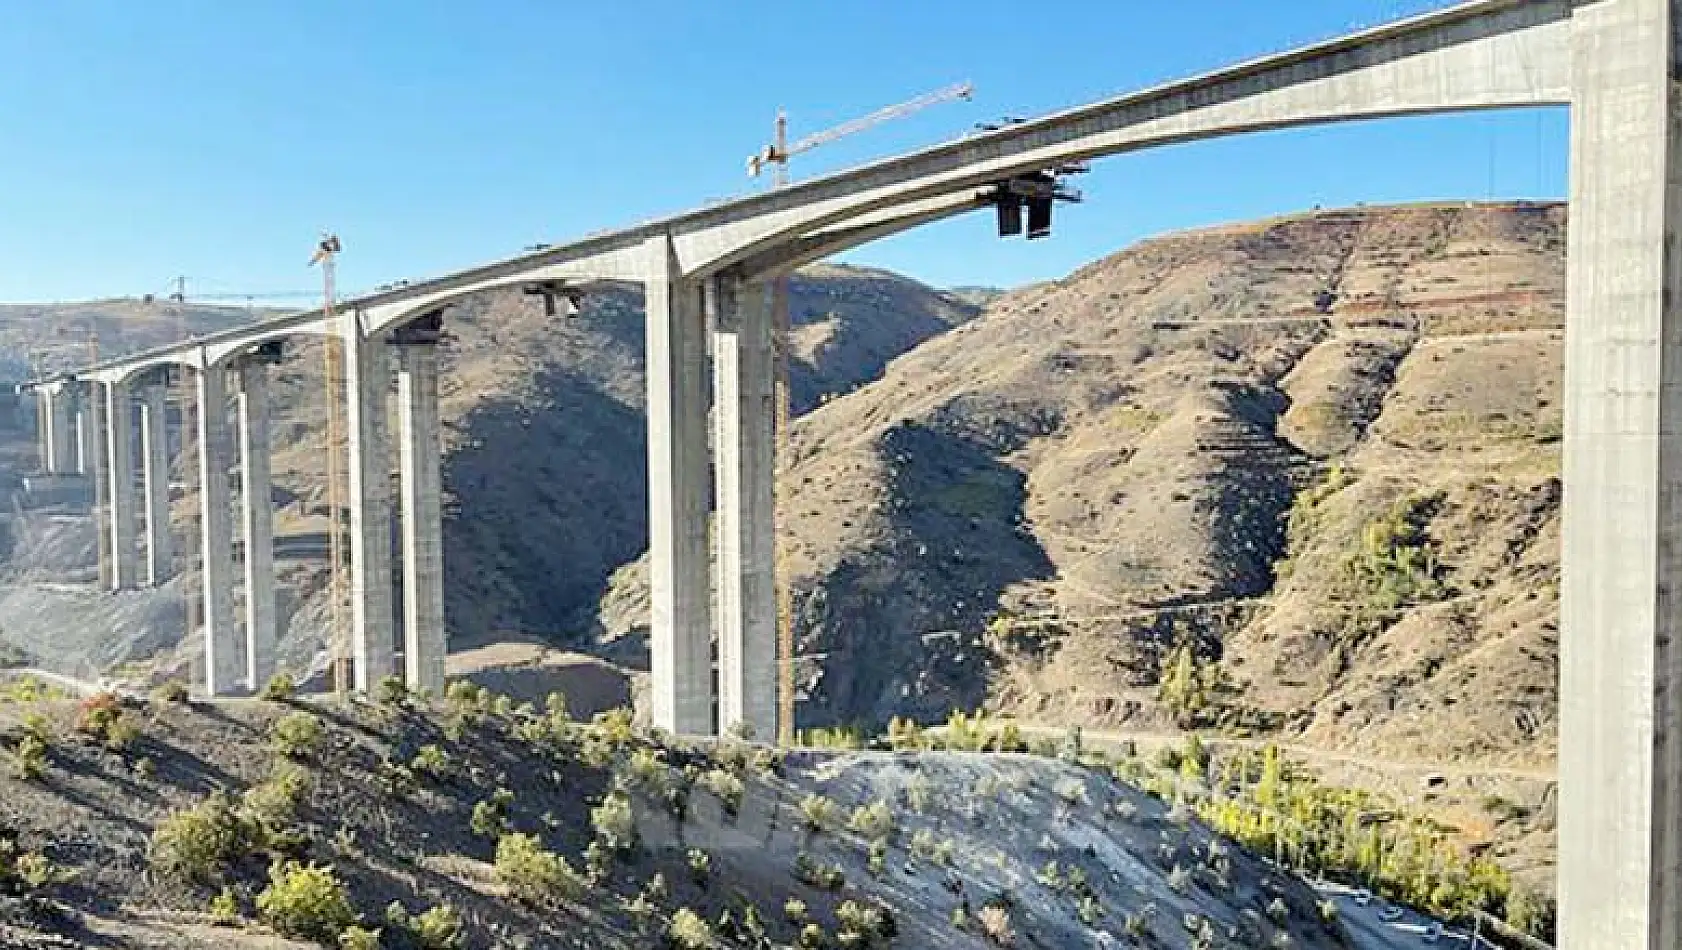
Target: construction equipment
[777,155]
[779,151]
[326,255]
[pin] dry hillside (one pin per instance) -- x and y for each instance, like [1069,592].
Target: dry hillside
[1320,451]
[475,824]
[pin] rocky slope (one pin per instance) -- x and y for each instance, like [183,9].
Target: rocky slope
[422,808]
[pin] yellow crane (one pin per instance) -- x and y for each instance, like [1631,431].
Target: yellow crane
[776,156]
[327,254]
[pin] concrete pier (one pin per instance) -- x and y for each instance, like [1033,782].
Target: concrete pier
[119,454]
[86,429]
[154,477]
[744,529]
[1620,757]
[681,641]
[420,449]
[92,416]
[223,665]
[256,522]
[58,433]
[368,380]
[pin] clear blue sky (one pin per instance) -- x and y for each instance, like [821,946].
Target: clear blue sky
[139,140]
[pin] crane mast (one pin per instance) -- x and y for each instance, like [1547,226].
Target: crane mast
[777,155]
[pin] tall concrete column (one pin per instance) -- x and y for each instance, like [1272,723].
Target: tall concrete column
[681,659]
[119,454]
[91,416]
[223,665]
[58,441]
[1620,758]
[367,381]
[744,530]
[256,522]
[420,451]
[154,478]
[43,429]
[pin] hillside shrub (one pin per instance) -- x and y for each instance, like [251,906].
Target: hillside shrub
[1395,563]
[727,788]
[274,803]
[819,813]
[359,938]
[306,901]
[437,928]
[995,925]
[297,735]
[196,844]
[615,822]
[532,874]
[689,931]
[279,689]
[812,873]
[875,821]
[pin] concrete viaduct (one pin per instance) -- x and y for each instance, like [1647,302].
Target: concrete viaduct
[1615,63]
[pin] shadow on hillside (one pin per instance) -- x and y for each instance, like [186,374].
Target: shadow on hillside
[541,507]
[902,623]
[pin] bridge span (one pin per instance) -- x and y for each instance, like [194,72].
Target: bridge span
[707,274]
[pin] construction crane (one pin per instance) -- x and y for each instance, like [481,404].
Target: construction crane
[327,254]
[779,151]
[777,155]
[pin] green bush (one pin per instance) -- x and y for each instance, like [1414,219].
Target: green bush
[196,844]
[532,874]
[390,691]
[224,908]
[359,938]
[29,757]
[279,689]
[1531,913]
[615,824]
[689,931]
[726,787]
[874,821]
[864,925]
[825,877]
[274,803]
[169,691]
[432,761]
[819,813]
[306,901]
[439,928]
[297,735]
